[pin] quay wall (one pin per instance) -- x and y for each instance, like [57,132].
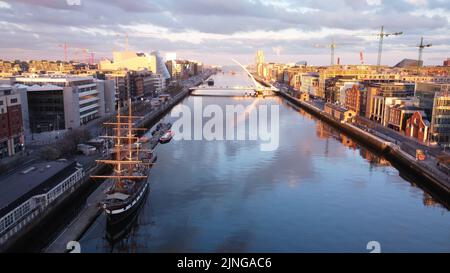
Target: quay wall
[386,148]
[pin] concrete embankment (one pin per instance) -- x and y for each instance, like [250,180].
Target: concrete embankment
[432,178]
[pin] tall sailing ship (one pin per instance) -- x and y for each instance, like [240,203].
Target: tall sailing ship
[131,164]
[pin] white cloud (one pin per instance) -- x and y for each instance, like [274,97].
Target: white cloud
[4,5]
[417,2]
[374,2]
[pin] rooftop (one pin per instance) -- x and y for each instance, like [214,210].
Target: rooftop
[31,180]
[53,78]
[45,87]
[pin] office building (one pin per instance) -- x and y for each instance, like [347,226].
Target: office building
[440,120]
[11,125]
[62,102]
[379,95]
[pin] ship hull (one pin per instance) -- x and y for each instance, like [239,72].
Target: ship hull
[118,231]
[120,214]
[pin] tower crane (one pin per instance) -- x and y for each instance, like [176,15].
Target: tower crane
[381,36]
[91,57]
[65,46]
[85,52]
[332,47]
[421,47]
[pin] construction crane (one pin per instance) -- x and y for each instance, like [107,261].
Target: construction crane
[65,46]
[381,36]
[421,47]
[91,57]
[76,51]
[332,47]
[85,59]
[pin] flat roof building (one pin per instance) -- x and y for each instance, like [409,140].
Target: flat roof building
[63,102]
[27,193]
[11,125]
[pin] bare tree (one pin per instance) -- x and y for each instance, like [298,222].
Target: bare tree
[68,145]
[50,153]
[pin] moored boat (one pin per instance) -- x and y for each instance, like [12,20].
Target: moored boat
[166,137]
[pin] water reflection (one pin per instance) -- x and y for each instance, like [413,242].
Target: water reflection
[318,192]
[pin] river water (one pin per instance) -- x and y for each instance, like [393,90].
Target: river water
[318,191]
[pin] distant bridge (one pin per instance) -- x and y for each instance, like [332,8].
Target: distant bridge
[223,88]
[257,87]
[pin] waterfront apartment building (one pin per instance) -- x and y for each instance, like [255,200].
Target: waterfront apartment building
[356,99]
[310,84]
[434,99]
[381,94]
[399,113]
[11,128]
[136,83]
[356,72]
[62,102]
[440,120]
[425,92]
[292,75]
[183,69]
[339,113]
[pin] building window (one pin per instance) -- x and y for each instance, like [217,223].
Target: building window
[13,100]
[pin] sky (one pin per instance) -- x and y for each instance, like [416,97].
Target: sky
[213,31]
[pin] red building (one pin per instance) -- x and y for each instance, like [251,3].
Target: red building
[11,126]
[355,100]
[417,127]
[398,114]
[447,62]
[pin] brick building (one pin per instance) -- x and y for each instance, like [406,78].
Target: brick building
[339,113]
[399,114]
[355,99]
[11,128]
[417,127]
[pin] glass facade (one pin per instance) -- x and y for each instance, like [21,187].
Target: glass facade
[440,122]
[46,111]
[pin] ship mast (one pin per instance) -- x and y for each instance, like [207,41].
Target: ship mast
[130,137]
[131,158]
[118,167]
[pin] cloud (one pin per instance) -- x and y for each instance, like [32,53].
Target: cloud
[206,29]
[4,5]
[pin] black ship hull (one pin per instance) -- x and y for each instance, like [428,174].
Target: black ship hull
[118,231]
[117,215]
